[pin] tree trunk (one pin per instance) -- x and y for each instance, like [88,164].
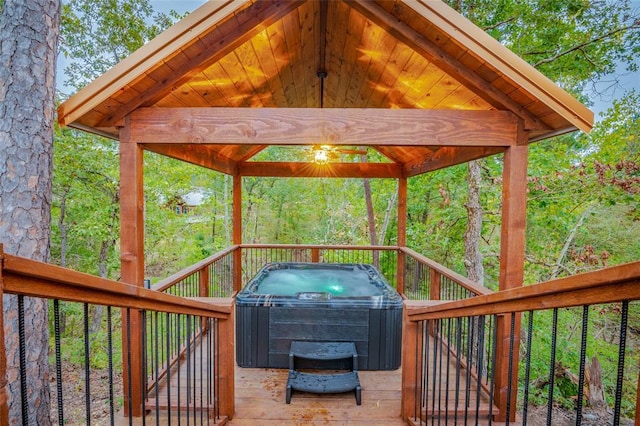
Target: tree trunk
[597,401]
[387,216]
[373,238]
[472,255]
[29,34]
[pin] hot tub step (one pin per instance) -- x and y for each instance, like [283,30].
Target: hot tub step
[324,383]
[324,351]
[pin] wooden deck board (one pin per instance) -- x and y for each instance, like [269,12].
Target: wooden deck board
[260,398]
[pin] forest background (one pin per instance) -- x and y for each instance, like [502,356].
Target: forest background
[583,201]
[583,195]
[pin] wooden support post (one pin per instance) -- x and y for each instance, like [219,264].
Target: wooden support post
[512,250]
[402,234]
[237,232]
[4,403]
[226,355]
[132,261]
[412,342]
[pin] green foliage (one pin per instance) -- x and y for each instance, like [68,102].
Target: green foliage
[95,35]
[570,41]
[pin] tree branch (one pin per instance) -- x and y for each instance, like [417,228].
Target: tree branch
[499,24]
[635,24]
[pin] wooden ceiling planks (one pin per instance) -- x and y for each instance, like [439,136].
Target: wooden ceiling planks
[308,22]
[337,15]
[348,58]
[266,62]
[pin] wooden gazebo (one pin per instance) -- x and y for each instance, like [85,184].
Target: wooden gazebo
[410,79]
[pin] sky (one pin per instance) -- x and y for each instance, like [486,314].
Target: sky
[625,79]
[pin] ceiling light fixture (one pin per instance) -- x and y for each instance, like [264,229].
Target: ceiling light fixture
[321,154]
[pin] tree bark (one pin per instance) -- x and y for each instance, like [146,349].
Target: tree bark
[472,255]
[28,47]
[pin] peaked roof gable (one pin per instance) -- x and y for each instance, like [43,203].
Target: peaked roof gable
[415,54]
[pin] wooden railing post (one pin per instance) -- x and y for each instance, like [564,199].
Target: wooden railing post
[400,271]
[315,254]
[203,279]
[226,355]
[4,404]
[411,367]
[434,284]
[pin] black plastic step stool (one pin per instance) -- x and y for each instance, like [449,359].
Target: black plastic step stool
[323,383]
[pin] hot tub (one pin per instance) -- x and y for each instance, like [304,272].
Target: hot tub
[318,302]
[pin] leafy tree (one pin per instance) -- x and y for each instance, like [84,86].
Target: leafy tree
[29,34]
[98,34]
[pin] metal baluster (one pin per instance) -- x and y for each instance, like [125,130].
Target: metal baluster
[168,359]
[129,374]
[527,372]
[458,351]
[56,327]
[494,343]
[583,357]
[480,366]
[87,369]
[621,353]
[156,363]
[510,368]
[554,332]
[110,366]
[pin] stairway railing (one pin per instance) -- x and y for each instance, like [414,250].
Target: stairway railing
[549,308]
[213,324]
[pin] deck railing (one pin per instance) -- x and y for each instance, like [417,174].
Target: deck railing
[213,326]
[211,277]
[255,256]
[425,279]
[557,330]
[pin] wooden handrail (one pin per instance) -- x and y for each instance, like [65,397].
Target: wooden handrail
[317,246]
[164,284]
[443,270]
[608,285]
[37,279]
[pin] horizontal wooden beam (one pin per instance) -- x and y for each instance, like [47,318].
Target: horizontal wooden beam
[335,170]
[301,126]
[449,156]
[195,154]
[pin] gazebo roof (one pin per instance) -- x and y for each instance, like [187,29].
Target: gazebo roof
[399,63]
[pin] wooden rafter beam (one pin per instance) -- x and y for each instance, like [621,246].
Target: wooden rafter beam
[229,34]
[444,61]
[199,155]
[329,170]
[299,126]
[449,156]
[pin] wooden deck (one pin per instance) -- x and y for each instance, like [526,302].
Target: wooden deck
[260,399]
